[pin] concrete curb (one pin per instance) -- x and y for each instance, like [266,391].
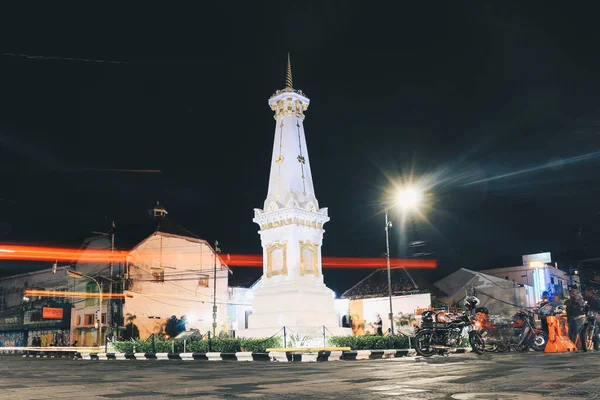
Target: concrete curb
[249,356]
[69,356]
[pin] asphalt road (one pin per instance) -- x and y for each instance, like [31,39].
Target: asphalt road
[551,376]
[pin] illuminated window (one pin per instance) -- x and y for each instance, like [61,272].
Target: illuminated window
[203,282]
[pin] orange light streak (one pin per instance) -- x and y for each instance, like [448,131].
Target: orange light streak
[87,295]
[37,253]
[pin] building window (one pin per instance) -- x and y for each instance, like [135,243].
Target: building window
[89,319]
[158,275]
[103,319]
[91,287]
[203,282]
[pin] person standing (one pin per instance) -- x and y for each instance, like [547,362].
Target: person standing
[544,308]
[378,325]
[575,313]
[592,299]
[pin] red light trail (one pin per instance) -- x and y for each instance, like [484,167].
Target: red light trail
[52,254]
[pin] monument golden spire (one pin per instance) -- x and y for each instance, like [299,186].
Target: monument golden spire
[288,78]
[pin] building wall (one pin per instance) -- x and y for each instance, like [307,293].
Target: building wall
[546,278]
[240,306]
[364,311]
[187,289]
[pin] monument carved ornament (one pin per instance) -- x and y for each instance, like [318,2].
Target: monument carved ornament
[276,259]
[309,258]
[289,106]
[290,216]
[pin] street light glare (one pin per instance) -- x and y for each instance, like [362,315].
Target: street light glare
[409,198]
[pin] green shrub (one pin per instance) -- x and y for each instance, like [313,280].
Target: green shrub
[145,346]
[199,345]
[369,342]
[226,345]
[260,345]
[196,345]
[125,347]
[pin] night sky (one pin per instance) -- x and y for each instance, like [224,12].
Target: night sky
[496,108]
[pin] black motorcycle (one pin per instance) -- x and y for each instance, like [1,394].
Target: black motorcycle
[590,332]
[436,337]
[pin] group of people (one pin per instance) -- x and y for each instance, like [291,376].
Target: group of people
[575,307]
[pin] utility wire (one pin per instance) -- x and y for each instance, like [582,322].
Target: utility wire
[88,60]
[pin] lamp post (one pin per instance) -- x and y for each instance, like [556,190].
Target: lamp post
[79,275]
[407,198]
[109,308]
[388,225]
[217,251]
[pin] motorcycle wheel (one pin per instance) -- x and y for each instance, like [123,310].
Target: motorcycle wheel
[491,348]
[477,343]
[587,337]
[423,344]
[539,341]
[522,348]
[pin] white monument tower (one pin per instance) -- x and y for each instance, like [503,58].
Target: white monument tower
[291,292]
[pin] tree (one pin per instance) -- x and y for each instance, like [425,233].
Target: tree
[171,327]
[131,330]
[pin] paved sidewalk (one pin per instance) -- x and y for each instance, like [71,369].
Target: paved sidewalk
[550,376]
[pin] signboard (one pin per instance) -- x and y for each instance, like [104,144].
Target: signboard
[546,258]
[9,320]
[52,313]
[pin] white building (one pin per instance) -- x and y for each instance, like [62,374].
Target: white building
[291,292]
[539,272]
[167,271]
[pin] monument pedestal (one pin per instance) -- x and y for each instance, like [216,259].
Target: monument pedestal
[302,308]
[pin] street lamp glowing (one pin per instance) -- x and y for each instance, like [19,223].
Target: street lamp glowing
[409,198]
[75,274]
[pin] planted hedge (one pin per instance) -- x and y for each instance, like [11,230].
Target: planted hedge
[369,342]
[198,345]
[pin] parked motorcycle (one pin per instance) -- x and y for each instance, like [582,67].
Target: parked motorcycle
[519,334]
[590,332]
[440,334]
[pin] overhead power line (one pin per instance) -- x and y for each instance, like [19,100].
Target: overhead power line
[88,60]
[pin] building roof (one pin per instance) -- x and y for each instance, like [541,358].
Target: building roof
[376,285]
[129,236]
[457,280]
